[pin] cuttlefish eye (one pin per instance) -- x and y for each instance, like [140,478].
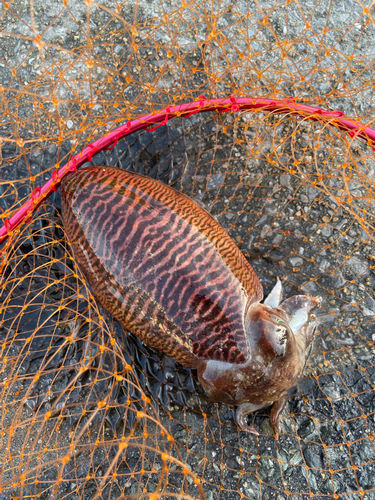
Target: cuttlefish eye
[267,330]
[276,333]
[281,329]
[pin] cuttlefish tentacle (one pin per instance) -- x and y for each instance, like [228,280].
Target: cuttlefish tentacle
[276,411]
[274,297]
[243,411]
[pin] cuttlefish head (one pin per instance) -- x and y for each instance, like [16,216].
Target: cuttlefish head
[280,338]
[275,329]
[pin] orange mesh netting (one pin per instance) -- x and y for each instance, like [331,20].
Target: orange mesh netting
[260,111]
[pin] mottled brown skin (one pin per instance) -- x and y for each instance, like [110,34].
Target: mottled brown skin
[275,365]
[172,275]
